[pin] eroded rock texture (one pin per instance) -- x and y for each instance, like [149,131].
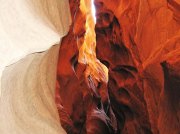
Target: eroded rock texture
[125,85]
[83,103]
[139,42]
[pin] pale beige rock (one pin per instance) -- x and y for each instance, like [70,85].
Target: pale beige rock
[28,93]
[28,26]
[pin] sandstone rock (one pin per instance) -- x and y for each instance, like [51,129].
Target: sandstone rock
[139,43]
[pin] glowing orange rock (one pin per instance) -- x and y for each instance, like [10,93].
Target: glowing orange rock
[82,96]
[139,43]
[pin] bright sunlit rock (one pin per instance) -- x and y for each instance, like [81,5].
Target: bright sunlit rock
[87,52]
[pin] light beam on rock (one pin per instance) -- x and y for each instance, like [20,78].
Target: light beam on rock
[87,52]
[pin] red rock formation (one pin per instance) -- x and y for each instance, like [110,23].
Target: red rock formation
[83,104]
[125,84]
[139,44]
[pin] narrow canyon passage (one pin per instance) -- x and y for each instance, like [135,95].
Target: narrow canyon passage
[82,78]
[136,97]
[70,68]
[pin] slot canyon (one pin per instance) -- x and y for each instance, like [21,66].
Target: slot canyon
[116,70]
[141,95]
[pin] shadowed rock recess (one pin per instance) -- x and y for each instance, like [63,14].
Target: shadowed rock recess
[139,43]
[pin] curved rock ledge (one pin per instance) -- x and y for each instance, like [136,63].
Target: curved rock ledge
[28,92]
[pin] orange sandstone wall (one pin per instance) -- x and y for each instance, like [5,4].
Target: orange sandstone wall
[139,42]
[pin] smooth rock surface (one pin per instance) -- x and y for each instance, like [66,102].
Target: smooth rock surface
[29,26]
[28,92]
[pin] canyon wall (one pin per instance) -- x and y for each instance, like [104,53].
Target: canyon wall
[28,91]
[28,28]
[138,41]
